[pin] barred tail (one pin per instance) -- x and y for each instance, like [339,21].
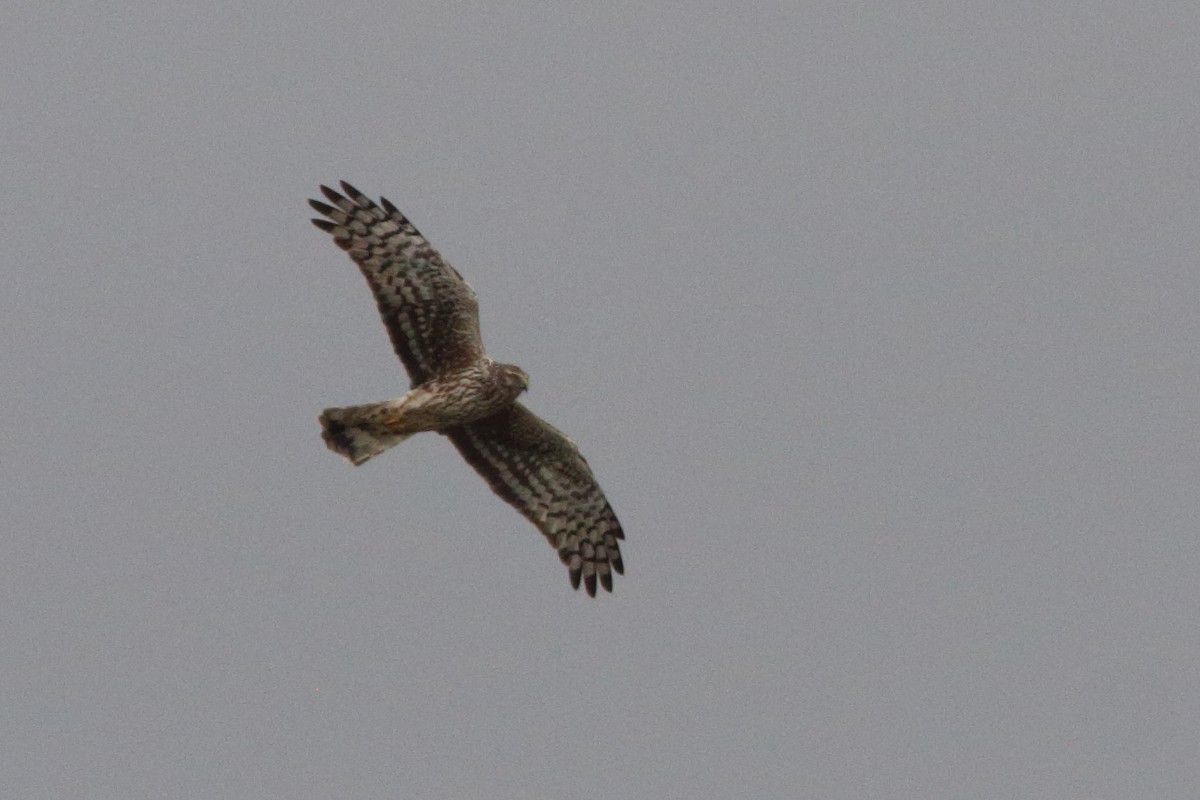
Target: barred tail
[355,433]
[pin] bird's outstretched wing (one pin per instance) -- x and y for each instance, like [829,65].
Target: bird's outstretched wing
[536,469]
[431,314]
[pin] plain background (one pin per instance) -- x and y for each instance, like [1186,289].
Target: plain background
[877,321]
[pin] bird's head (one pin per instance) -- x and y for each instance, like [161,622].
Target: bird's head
[513,378]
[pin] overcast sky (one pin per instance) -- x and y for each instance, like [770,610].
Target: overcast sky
[877,323]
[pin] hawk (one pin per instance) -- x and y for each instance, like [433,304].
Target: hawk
[432,317]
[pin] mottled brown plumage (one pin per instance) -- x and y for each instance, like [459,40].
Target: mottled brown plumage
[432,317]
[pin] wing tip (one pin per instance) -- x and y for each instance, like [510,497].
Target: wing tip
[587,573]
[321,208]
[332,195]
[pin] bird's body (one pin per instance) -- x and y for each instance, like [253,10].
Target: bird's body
[431,315]
[443,401]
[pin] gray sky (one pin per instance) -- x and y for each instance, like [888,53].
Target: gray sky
[877,323]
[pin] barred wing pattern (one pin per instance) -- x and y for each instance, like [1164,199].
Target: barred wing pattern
[431,314]
[537,470]
[432,317]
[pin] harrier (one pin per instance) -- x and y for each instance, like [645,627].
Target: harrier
[432,317]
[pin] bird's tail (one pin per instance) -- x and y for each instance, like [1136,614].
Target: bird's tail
[359,433]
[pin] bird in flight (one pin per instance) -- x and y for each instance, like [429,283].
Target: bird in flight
[432,317]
